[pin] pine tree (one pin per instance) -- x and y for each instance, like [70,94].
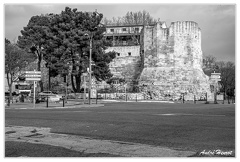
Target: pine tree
[67,46]
[33,38]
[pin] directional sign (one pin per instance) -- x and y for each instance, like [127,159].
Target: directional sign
[33,79]
[32,72]
[215,77]
[33,75]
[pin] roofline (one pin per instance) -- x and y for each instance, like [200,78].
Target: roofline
[121,34]
[114,26]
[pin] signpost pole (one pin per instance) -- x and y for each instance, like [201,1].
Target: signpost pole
[125,88]
[34,84]
[84,93]
[66,89]
[33,76]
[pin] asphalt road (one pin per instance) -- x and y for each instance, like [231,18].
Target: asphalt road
[192,127]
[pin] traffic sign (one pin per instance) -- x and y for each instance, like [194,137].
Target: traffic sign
[33,75]
[35,72]
[215,77]
[33,79]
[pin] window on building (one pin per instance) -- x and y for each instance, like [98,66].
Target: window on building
[129,53]
[111,30]
[137,29]
[116,82]
[124,29]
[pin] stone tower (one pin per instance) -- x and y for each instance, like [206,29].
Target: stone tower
[173,61]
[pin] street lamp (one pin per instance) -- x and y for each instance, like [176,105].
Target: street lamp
[90,67]
[90,37]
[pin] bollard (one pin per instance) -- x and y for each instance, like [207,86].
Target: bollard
[206,97]
[63,101]
[223,100]
[215,98]
[183,98]
[194,99]
[96,96]
[47,101]
[8,101]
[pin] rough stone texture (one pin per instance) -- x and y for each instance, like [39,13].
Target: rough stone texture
[125,66]
[130,96]
[170,65]
[173,62]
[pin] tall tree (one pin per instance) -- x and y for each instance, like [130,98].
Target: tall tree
[15,60]
[132,18]
[33,38]
[209,64]
[68,45]
[227,70]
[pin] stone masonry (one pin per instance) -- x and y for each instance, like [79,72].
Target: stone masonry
[170,64]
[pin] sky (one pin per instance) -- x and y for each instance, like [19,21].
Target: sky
[217,21]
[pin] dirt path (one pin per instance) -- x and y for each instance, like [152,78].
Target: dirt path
[87,145]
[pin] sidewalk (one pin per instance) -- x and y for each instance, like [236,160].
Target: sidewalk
[113,100]
[51,105]
[41,135]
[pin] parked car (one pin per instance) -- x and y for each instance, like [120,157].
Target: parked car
[46,93]
[55,98]
[51,96]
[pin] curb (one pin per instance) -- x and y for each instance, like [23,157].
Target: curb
[138,101]
[59,107]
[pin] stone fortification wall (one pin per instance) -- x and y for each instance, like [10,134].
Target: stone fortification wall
[179,45]
[127,62]
[173,61]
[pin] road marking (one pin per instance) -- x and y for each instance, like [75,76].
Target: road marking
[181,114]
[78,111]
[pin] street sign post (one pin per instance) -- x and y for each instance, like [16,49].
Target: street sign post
[215,78]
[33,76]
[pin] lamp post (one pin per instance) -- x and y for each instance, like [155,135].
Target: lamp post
[90,37]
[90,68]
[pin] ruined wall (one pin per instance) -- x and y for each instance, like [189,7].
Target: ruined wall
[125,65]
[173,61]
[179,45]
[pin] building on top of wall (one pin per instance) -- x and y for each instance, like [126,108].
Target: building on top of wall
[127,42]
[124,35]
[168,60]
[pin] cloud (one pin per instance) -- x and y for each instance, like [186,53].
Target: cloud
[217,22]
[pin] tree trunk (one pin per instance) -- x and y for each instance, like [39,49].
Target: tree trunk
[78,82]
[39,69]
[10,93]
[9,80]
[73,85]
[76,86]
